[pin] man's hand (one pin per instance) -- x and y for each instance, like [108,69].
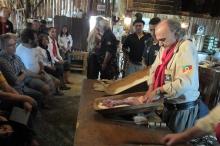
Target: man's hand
[150,96]
[27,106]
[61,62]
[134,100]
[172,139]
[28,99]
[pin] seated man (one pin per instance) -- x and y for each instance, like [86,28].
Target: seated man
[10,97]
[13,69]
[30,55]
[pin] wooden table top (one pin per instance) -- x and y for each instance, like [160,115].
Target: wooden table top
[94,130]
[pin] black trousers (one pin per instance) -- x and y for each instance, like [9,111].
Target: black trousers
[57,72]
[93,67]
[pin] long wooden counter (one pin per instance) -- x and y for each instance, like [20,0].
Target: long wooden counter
[94,130]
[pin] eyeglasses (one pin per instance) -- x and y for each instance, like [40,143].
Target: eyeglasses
[162,40]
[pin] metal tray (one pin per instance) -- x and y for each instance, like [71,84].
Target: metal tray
[132,109]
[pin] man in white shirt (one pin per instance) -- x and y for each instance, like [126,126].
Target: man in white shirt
[30,56]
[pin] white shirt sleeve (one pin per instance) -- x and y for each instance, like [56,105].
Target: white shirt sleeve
[71,40]
[60,42]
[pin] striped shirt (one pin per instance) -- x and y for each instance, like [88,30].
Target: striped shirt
[11,66]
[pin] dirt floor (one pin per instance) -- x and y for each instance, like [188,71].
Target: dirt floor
[56,127]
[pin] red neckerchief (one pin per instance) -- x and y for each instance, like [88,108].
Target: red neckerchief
[54,48]
[3,28]
[159,75]
[217,132]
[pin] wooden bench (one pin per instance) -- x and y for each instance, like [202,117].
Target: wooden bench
[81,57]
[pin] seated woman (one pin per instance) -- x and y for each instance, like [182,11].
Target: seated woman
[47,61]
[55,54]
[65,42]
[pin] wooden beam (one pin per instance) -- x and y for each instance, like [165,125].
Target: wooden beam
[28,9]
[35,8]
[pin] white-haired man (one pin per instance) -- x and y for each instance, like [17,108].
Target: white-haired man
[174,76]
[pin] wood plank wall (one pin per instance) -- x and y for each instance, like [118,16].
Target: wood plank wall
[212,26]
[51,8]
[78,28]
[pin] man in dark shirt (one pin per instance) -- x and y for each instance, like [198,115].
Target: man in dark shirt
[107,53]
[133,47]
[5,25]
[151,45]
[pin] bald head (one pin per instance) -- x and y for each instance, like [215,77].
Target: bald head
[168,32]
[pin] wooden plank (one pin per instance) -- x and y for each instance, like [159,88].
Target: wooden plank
[128,82]
[164,2]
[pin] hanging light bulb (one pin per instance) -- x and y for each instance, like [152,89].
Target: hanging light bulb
[184,25]
[127,21]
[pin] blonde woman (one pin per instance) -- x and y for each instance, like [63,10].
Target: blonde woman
[107,54]
[94,44]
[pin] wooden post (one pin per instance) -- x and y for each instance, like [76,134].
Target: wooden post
[129,4]
[89,8]
[28,9]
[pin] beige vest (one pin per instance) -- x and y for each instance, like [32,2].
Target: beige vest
[181,75]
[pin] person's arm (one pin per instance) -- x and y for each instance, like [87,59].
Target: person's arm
[110,49]
[153,69]
[150,81]
[189,134]
[31,74]
[60,42]
[126,45]
[15,97]
[71,41]
[202,127]
[27,101]
[106,59]
[51,55]
[8,73]
[20,77]
[58,58]
[5,86]
[186,70]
